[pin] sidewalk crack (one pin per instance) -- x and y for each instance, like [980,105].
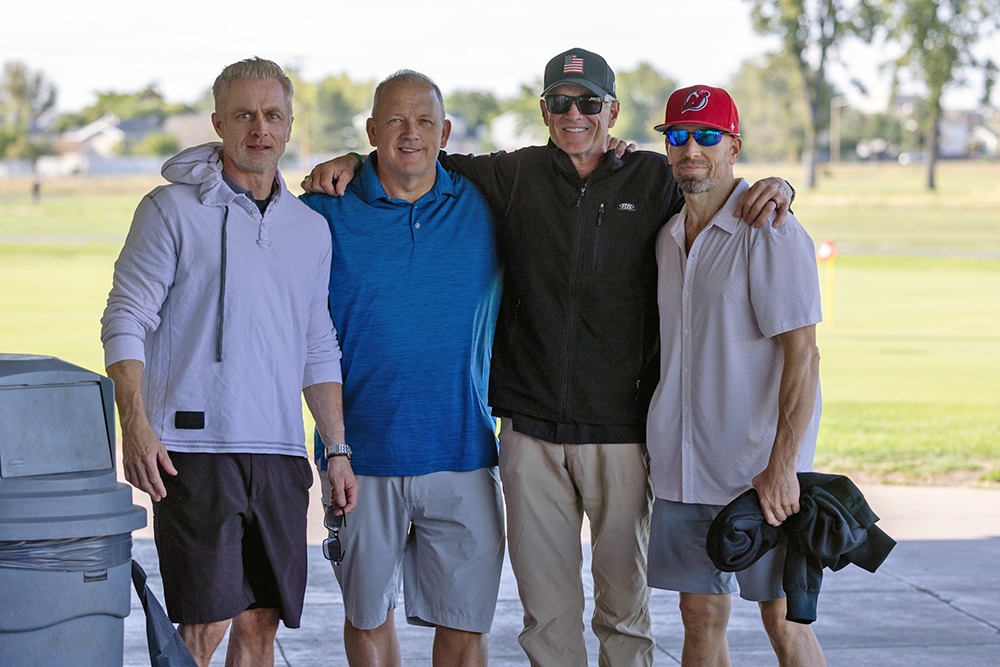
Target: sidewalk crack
[281,650]
[667,653]
[948,603]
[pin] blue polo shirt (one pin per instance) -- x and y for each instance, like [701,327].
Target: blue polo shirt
[414,292]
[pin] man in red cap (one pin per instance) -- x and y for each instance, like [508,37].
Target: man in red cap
[738,404]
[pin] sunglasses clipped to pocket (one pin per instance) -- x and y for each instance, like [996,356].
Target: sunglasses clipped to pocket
[333,549]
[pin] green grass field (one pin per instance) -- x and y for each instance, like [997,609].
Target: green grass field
[911,349]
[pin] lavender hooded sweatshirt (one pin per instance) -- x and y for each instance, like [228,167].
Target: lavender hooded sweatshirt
[227,309]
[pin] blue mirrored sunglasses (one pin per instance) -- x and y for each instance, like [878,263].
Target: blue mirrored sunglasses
[701,137]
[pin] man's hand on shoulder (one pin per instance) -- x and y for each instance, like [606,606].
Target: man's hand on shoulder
[766,196]
[344,486]
[332,177]
[620,146]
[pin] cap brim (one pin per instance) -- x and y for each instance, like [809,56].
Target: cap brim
[589,85]
[665,126]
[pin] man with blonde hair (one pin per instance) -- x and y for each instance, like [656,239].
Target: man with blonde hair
[216,325]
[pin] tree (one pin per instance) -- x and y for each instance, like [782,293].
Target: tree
[643,93]
[332,105]
[127,106]
[475,107]
[24,96]
[772,120]
[810,32]
[525,105]
[937,37]
[156,143]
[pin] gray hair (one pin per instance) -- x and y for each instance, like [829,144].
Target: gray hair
[253,69]
[407,76]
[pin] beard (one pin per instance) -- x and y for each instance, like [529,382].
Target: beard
[694,186]
[691,185]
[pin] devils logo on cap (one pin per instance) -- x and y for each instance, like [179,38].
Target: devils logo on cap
[696,100]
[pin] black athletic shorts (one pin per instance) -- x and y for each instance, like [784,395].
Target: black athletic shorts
[231,536]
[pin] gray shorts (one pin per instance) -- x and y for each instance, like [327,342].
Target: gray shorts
[439,536]
[678,556]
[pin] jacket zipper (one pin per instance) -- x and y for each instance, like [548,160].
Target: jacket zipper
[571,316]
[597,237]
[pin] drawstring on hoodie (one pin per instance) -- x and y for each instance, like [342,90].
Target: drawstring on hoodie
[222,288]
[202,166]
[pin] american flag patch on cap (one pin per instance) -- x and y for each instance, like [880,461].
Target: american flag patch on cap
[573,65]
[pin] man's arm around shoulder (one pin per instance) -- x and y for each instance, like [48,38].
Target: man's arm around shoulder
[767,196]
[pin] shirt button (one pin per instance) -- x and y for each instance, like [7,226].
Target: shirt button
[417,225]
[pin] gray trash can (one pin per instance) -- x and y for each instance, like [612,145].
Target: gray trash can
[65,521]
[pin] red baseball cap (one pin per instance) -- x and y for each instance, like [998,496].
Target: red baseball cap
[701,105]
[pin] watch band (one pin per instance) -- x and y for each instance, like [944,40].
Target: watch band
[339,449]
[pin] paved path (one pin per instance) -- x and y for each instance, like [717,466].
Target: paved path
[935,601]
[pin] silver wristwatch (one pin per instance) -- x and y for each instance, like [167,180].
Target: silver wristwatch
[340,449]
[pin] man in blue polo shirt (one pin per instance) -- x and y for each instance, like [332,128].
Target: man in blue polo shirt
[414,290]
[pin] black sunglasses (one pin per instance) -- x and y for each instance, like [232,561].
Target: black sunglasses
[333,550]
[701,137]
[587,104]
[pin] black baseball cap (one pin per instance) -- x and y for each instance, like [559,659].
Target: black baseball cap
[583,68]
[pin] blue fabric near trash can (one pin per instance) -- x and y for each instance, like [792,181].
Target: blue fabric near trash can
[166,648]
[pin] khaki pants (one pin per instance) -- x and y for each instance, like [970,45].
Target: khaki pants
[548,487]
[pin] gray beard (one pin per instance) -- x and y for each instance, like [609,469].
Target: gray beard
[694,186]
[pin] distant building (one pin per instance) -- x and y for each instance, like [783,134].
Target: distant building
[102,137]
[955,133]
[984,142]
[103,147]
[191,129]
[463,138]
[108,136]
[961,134]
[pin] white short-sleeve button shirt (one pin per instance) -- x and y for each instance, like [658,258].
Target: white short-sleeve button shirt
[713,417]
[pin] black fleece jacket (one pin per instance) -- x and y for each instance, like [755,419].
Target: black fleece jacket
[576,350]
[833,528]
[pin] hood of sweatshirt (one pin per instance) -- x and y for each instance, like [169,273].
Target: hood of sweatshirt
[202,166]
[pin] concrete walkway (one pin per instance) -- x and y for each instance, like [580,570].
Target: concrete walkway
[935,601]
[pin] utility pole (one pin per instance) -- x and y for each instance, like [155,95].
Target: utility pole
[835,104]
